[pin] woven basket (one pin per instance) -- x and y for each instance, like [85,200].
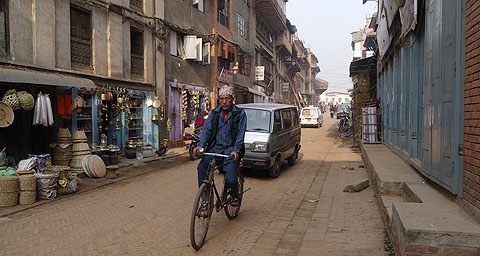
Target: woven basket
[8,198]
[10,92]
[64,133]
[81,153]
[27,197]
[76,163]
[28,182]
[26,101]
[8,183]
[80,147]
[79,135]
[62,162]
[12,101]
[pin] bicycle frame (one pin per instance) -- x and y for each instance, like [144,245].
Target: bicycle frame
[219,204]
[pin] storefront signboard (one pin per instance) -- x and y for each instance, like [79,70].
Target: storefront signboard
[226,76]
[286,87]
[259,73]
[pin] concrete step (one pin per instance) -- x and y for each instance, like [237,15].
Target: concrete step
[419,219]
[434,227]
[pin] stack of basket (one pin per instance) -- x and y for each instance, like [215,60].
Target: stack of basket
[80,149]
[62,152]
[8,190]
[28,189]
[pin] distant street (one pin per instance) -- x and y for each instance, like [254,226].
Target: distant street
[302,212]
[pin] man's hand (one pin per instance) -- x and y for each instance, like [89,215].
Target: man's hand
[195,151]
[235,156]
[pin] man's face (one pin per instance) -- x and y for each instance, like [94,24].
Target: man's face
[226,102]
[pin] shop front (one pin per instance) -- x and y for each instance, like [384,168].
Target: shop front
[186,104]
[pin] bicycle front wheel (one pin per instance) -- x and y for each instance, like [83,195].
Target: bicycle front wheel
[201,213]
[232,211]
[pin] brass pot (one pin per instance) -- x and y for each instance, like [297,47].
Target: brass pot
[103,96]
[154,117]
[120,100]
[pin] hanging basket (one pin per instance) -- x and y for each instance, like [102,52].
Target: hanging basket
[26,100]
[12,101]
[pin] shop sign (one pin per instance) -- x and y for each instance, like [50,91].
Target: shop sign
[226,76]
[259,73]
[286,87]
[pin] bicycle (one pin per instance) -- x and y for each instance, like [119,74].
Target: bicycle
[205,199]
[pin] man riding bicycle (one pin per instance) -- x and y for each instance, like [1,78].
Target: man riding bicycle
[223,133]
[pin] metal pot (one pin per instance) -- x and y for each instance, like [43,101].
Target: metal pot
[156,103]
[120,100]
[154,117]
[149,102]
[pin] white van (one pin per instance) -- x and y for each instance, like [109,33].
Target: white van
[311,116]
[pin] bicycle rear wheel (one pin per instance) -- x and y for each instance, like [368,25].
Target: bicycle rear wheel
[200,220]
[232,211]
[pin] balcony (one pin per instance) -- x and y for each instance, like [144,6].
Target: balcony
[284,47]
[271,14]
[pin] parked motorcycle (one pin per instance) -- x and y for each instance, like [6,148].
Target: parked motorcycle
[191,142]
[344,123]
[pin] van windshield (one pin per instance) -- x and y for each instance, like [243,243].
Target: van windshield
[258,120]
[309,112]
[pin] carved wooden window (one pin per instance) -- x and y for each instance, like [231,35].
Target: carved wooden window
[242,27]
[136,44]
[80,38]
[137,5]
[222,6]
[244,64]
[3,28]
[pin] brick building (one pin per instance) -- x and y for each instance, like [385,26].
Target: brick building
[471,163]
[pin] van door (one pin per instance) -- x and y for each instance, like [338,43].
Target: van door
[287,121]
[277,133]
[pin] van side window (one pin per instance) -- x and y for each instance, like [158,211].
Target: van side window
[277,121]
[295,117]
[287,119]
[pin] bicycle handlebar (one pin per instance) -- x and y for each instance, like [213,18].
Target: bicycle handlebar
[202,152]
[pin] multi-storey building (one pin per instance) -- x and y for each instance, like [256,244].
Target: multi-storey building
[54,47]
[187,64]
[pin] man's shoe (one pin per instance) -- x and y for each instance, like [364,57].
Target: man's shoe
[203,212]
[235,202]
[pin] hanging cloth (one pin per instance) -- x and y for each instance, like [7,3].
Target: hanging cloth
[48,106]
[64,103]
[37,113]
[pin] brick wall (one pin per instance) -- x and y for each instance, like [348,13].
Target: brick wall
[471,167]
[360,97]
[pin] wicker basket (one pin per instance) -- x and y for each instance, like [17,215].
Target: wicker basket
[80,147]
[12,101]
[8,199]
[27,197]
[8,190]
[8,184]
[10,92]
[64,133]
[79,135]
[26,101]
[28,182]
[61,170]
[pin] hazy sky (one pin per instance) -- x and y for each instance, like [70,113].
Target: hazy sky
[326,27]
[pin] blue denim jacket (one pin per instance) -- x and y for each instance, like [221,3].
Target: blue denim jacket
[224,143]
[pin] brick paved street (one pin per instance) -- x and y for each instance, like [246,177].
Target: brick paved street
[302,212]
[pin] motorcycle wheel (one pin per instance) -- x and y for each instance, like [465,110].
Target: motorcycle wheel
[191,148]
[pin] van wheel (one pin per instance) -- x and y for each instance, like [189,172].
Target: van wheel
[292,160]
[274,171]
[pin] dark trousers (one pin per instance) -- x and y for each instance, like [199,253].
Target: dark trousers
[229,166]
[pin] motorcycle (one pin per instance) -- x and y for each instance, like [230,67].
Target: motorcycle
[191,142]
[344,123]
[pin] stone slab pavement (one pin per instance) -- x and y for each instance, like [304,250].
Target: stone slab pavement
[302,212]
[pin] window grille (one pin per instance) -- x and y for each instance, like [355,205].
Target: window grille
[136,44]
[80,38]
[137,5]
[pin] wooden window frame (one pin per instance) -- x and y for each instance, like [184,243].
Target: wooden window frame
[242,26]
[79,40]
[5,5]
[133,56]
[223,11]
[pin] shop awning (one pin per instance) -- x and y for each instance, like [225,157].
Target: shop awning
[34,77]
[257,92]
